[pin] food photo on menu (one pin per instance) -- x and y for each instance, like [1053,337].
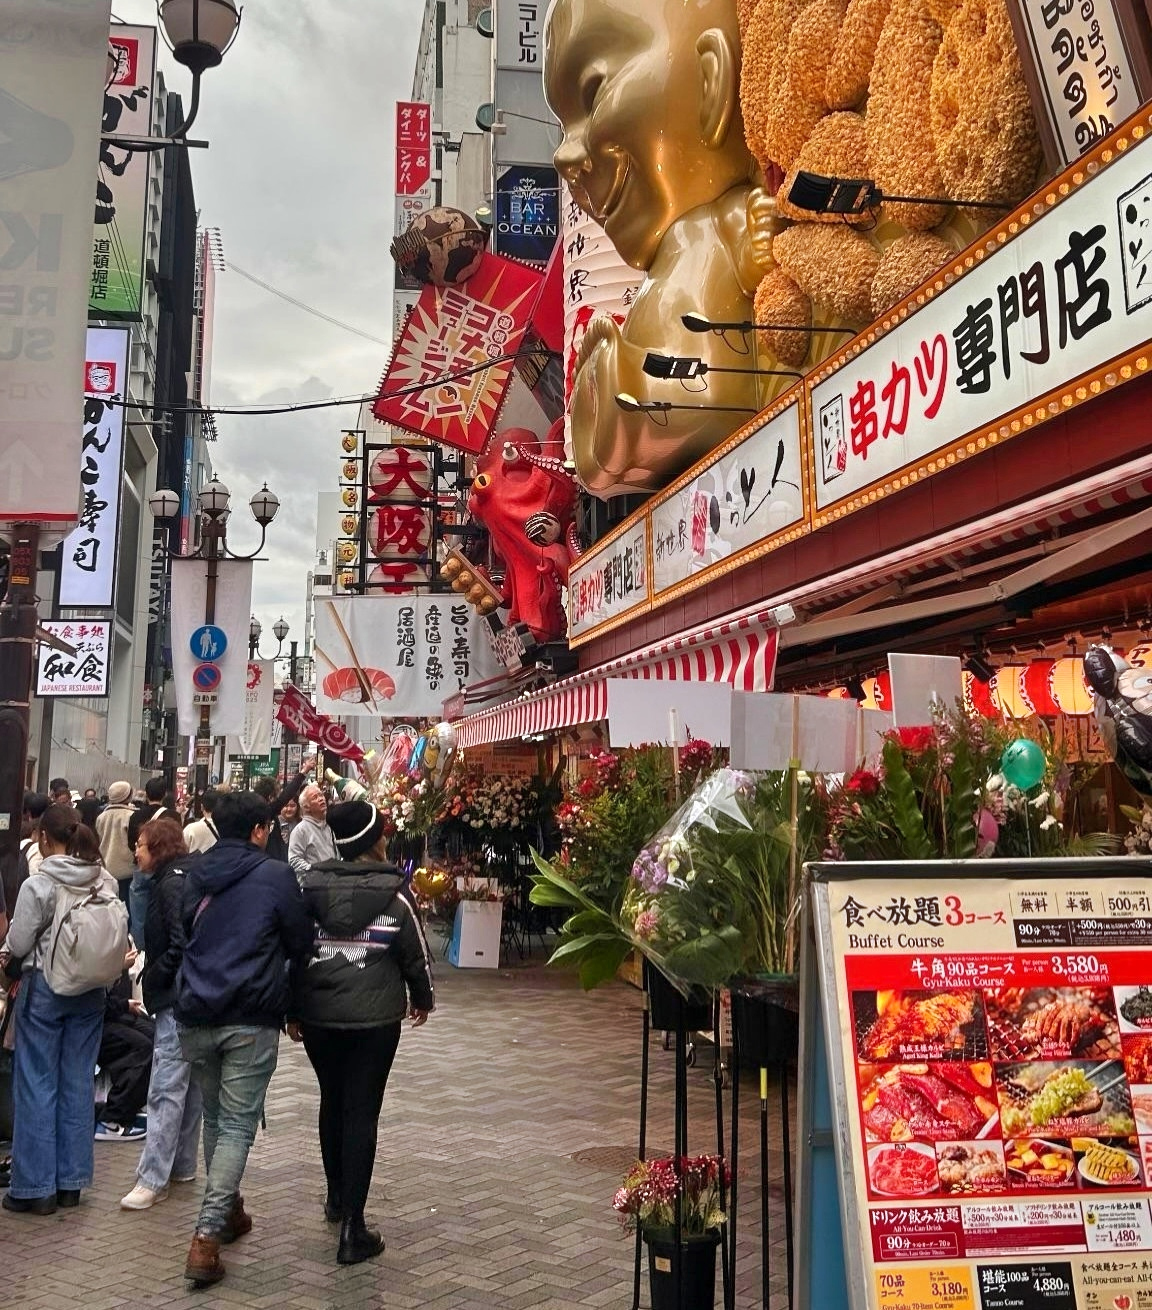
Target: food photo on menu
[901,1025]
[1134,1006]
[1064,1099]
[1138,1068]
[933,1101]
[1052,1023]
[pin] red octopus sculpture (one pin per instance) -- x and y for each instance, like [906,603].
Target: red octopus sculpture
[527,500]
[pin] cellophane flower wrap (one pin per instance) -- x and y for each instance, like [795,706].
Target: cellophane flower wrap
[709,897]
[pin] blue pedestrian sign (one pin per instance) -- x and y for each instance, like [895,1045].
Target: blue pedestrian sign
[206,677]
[208,642]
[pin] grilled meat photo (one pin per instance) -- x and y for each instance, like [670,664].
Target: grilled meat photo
[933,1019]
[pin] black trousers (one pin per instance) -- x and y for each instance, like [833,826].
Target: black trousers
[126,1057]
[352,1067]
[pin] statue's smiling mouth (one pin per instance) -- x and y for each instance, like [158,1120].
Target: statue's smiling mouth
[603,211]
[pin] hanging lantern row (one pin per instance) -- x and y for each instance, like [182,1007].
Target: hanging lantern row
[1047,687]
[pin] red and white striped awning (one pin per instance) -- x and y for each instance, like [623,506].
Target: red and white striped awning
[741,652]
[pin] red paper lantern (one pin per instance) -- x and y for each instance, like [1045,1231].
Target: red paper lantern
[1069,690]
[1007,689]
[878,692]
[978,697]
[1038,688]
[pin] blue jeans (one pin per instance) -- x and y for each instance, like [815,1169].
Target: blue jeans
[138,894]
[174,1110]
[57,1038]
[233,1065]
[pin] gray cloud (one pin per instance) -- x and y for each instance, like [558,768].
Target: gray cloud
[299,180]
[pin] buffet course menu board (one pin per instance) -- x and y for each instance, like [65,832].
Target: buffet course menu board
[996,1040]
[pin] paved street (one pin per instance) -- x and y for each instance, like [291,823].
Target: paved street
[508,1122]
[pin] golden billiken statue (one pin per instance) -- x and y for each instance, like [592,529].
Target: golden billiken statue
[647,92]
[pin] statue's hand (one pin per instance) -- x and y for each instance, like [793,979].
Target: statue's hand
[763,225]
[602,330]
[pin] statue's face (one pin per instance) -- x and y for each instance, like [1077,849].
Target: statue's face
[623,78]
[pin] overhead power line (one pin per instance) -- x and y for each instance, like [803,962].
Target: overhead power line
[299,304]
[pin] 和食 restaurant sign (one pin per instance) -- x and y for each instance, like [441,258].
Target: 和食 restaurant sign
[1049,308]
[609,584]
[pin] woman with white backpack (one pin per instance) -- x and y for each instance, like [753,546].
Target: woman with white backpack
[70,931]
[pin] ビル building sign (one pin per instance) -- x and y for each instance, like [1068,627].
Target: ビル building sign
[1051,308]
[609,583]
[742,500]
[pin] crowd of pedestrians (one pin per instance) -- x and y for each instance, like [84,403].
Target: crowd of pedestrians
[151,966]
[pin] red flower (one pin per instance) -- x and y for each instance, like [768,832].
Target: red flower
[916,739]
[864,782]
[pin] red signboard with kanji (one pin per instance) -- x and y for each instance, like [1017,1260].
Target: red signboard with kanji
[442,381]
[413,146]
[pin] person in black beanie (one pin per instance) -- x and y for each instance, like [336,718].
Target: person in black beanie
[369,969]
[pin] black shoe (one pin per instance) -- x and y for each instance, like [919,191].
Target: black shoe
[358,1243]
[29,1205]
[68,1198]
[333,1212]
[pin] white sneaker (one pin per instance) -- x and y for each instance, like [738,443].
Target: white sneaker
[143,1198]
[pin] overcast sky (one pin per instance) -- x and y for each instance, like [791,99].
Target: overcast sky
[299,179]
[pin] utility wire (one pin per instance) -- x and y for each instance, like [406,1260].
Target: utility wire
[308,309]
[257,412]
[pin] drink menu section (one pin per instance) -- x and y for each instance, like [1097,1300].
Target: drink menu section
[996,1047]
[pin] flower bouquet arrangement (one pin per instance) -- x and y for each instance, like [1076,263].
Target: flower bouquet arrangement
[710,897]
[647,1198]
[960,788]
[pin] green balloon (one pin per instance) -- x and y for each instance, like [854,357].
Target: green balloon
[1023,763]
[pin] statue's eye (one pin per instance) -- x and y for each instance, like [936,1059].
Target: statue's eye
[482,481]
[590,89]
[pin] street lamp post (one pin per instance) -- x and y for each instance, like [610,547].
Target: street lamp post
[213,503]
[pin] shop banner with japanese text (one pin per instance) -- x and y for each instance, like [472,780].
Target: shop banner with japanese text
[451,364]
[1004,341]
[88,565]
[397,655]
[992,1039]
[83,674]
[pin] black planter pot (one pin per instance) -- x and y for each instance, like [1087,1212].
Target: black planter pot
[695,1288]
[766,1016]
[670,1010]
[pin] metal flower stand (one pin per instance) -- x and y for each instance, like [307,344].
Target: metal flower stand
[666,1009]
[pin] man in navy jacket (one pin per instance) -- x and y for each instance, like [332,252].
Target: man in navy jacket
[245,922]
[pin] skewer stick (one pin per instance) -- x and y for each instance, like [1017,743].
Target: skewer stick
[366,693]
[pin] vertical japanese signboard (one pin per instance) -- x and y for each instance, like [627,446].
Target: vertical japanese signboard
[529,136]
[88,568]
[53,66]
[415,188]
[989,1029]
[397,655]
[122,181]
[1018,331]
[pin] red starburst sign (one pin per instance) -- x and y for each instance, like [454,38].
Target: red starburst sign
[449,339]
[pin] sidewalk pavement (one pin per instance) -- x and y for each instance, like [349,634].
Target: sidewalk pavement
[509,1120]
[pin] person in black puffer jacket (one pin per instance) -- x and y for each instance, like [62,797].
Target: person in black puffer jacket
[370,968]
[174,1103]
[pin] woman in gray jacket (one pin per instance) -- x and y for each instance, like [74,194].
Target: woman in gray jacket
[369,969]
[57,1037]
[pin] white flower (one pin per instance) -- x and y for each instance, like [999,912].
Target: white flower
[1040,801]
[1049,822]
[995,782]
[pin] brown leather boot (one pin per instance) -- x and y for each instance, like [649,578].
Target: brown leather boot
[239,1222]
[203,1266]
